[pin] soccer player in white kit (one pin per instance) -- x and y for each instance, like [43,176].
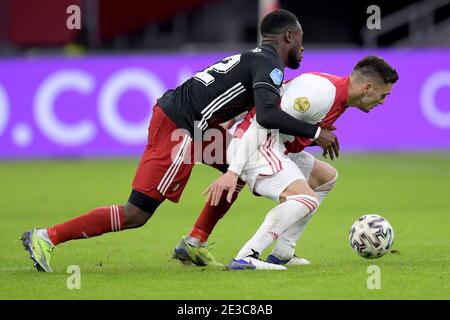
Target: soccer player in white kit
[280,170]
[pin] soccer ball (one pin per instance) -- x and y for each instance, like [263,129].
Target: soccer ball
[371,236]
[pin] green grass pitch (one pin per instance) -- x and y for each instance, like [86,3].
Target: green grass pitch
[411,190]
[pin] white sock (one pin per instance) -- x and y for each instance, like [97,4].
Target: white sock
[285,246]
[194,241]
[277,221]
[44,234]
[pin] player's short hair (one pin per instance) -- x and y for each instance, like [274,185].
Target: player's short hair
[373,66]
[277,22]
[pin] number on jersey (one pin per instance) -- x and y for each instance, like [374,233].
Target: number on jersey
[221,67]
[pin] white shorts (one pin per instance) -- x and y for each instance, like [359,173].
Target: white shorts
[295,166]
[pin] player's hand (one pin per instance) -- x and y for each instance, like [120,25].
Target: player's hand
[226,182]
[331,128]
[328,141]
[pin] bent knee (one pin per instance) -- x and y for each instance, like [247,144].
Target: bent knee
[322,173]
[298,187]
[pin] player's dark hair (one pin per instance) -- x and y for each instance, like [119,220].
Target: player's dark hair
[373,66]
[277,22]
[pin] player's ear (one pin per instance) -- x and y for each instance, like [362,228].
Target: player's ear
[367,86]
[288,36]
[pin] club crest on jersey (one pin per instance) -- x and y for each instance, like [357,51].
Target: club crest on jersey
[277,76]
[301,104]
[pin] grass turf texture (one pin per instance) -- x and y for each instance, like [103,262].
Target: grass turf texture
[410,190]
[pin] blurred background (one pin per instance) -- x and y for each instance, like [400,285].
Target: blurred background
[78,78]
[39,26]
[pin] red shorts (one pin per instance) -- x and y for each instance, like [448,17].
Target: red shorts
[170,155]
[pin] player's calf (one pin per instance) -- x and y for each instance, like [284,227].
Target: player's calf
[40,242]
[134,217]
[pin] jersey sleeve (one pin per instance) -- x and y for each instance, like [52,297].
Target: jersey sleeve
[308,97]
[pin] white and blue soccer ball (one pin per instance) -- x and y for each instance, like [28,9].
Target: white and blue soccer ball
[371,236]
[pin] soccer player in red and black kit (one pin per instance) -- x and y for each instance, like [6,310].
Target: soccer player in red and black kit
[213,96]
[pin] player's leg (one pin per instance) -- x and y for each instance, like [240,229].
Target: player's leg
[210,216]
[41,242]
[146,196]
[299,201]
[193,248]
[321,178]
[102,220]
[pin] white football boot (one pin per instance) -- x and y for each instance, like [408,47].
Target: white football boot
[251,263]
[294,261]
[297,261]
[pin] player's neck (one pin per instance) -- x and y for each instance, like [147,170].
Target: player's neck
[353,93]
[274,44]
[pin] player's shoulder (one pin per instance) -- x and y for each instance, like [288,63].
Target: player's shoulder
[331,77]
[266,67]
[315,87]
[264,56]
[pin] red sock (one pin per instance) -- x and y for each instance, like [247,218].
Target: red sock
[210,215]
[92,224]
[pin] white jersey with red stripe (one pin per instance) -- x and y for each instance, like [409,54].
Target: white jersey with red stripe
[317,98]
